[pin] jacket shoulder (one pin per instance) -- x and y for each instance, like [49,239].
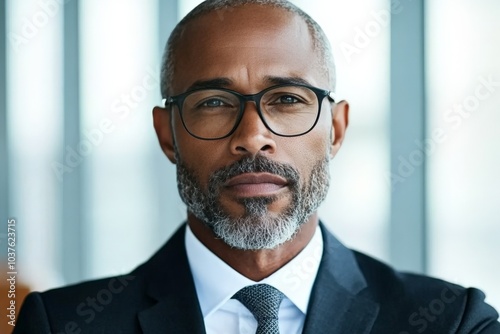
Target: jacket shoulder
[108,305]
[420,303]
[76,308]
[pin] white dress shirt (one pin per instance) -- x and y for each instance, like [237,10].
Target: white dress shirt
[216,282]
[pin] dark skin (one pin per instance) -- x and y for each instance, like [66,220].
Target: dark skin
[249,49]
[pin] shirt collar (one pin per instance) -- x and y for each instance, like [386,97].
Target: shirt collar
[216,282]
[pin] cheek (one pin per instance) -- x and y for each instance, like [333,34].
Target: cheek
[189,149]
[196,158]
[320,138]
[308,150]
[326,129]
[201,157]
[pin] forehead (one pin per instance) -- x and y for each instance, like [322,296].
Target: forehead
[245,44]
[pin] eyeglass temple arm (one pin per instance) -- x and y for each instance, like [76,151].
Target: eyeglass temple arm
[166,101]
[332,96]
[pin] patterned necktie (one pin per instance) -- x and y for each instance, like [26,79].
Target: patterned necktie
[264,302]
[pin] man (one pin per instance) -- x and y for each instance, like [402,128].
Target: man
[251,123]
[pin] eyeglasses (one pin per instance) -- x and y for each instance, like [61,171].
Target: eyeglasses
[288,110]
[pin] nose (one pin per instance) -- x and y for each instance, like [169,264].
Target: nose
[251,137]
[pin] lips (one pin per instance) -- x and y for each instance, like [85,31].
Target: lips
[255,184]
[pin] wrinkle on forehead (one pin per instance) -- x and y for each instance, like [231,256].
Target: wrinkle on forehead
[244,74]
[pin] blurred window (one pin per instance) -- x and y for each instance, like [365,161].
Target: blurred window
[463,81]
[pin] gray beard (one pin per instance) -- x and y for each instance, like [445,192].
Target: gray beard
[257,228]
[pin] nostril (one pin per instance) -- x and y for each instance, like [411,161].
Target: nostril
[241,149]
[266,148]
[263,148]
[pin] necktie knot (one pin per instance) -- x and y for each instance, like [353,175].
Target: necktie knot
[264,302]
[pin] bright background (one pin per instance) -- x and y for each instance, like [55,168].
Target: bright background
[116,201]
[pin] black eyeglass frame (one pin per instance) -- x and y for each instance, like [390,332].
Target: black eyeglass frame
[179,99]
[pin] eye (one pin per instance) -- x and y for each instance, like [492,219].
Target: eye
[285,98]
[288,99]
[213,103]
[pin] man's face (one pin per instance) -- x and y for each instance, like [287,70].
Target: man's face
[253,188]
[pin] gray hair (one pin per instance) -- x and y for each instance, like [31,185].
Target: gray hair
[320,41]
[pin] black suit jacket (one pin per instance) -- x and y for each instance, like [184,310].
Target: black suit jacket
[352,294]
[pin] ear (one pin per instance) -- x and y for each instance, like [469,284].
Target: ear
[340,121]
[163,128]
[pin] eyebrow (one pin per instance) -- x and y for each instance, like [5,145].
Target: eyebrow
[211,83]
[275,80]
[223,82]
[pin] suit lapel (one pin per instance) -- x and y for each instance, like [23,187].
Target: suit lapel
[170,317]
[170,285]
[336,305]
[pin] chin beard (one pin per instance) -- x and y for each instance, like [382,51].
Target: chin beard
[257,228]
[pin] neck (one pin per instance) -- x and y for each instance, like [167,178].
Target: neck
[254,264]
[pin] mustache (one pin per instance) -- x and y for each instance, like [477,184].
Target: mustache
[259,164]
